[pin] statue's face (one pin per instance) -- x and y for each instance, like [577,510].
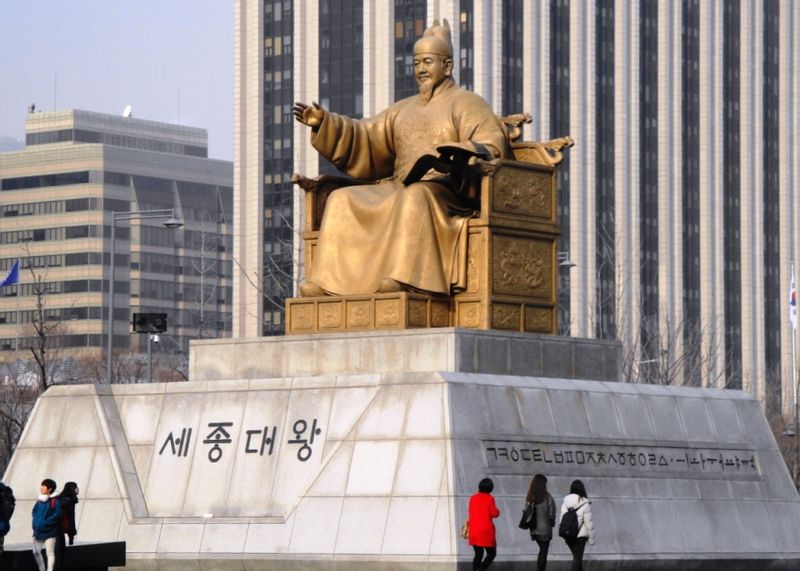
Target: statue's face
[431,69]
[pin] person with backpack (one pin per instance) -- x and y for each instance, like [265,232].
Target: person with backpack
[543,519]
[7,504]
[68,498]
[482,538]
[576,523]
[46,524]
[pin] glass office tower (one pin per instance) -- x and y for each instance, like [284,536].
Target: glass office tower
[677,201]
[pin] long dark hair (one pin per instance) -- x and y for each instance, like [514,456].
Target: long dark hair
[578,488]
[537,491]
[68,491]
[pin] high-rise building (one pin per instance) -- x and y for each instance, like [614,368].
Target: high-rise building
[676,203]
[57,197]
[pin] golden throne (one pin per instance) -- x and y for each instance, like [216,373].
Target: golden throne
[511,254]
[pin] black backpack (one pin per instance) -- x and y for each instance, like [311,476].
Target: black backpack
[569,526]
[7,505]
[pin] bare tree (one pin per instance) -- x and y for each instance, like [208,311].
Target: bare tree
[788,441]
[207,267]
[659,348]
[18,394]
[281,267]
[668,352]
[45,330]
[131,368]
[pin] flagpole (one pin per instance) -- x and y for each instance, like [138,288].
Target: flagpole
[794,386]
[19,323]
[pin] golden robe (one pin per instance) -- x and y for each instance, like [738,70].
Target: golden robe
[414,234]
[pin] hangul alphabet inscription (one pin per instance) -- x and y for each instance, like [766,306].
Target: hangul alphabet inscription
[650,460]
[257,441]
[179,445]
[299,428]
[263,441]
[216,437]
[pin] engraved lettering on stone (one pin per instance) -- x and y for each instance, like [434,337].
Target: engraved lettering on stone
[590,459]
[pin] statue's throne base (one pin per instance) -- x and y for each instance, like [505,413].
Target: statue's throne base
[511,257]
[399,310]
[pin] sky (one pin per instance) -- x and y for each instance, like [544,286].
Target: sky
[171,60]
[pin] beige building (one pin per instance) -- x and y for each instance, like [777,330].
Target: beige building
[56,202]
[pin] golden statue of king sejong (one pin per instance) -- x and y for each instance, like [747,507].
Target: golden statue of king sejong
[409,230]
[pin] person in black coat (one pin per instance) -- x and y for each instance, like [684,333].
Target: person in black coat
[68,498]
[544,517]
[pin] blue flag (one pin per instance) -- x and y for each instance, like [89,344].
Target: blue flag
[12,277]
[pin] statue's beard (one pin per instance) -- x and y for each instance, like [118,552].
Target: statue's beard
[426,91]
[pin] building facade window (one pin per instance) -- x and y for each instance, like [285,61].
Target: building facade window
[341,61]
[605,255]
[409,25]
[83,136]
[466,41]
[771,205]
[732,218]
[278,279]
[512,56]
[690,177]
[560,121]
[650,331]
[45,180]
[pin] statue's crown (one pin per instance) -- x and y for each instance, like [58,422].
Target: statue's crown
[436,40]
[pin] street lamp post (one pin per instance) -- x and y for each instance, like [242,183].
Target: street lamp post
[170,222]
[564,266]
[151,338]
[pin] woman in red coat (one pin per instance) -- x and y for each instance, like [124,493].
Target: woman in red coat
[482,510]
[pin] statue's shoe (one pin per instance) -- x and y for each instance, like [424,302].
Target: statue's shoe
[310,289]
[388,285]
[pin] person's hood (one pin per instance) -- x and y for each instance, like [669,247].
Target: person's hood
[575,501]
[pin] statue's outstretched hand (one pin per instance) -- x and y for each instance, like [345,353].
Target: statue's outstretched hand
[311,115]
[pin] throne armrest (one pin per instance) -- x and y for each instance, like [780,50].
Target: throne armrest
[322,182]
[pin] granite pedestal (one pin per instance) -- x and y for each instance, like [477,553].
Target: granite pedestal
[360,451]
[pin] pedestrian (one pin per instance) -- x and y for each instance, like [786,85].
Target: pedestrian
[7,504]
[578,501]
[68,498]
[544,516]
[482,538]
[46,524]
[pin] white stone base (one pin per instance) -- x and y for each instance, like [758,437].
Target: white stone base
[394,462]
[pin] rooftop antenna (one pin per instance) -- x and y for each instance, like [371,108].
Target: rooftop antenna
[31,107]
[55,89]
[179,104]
[128,111]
